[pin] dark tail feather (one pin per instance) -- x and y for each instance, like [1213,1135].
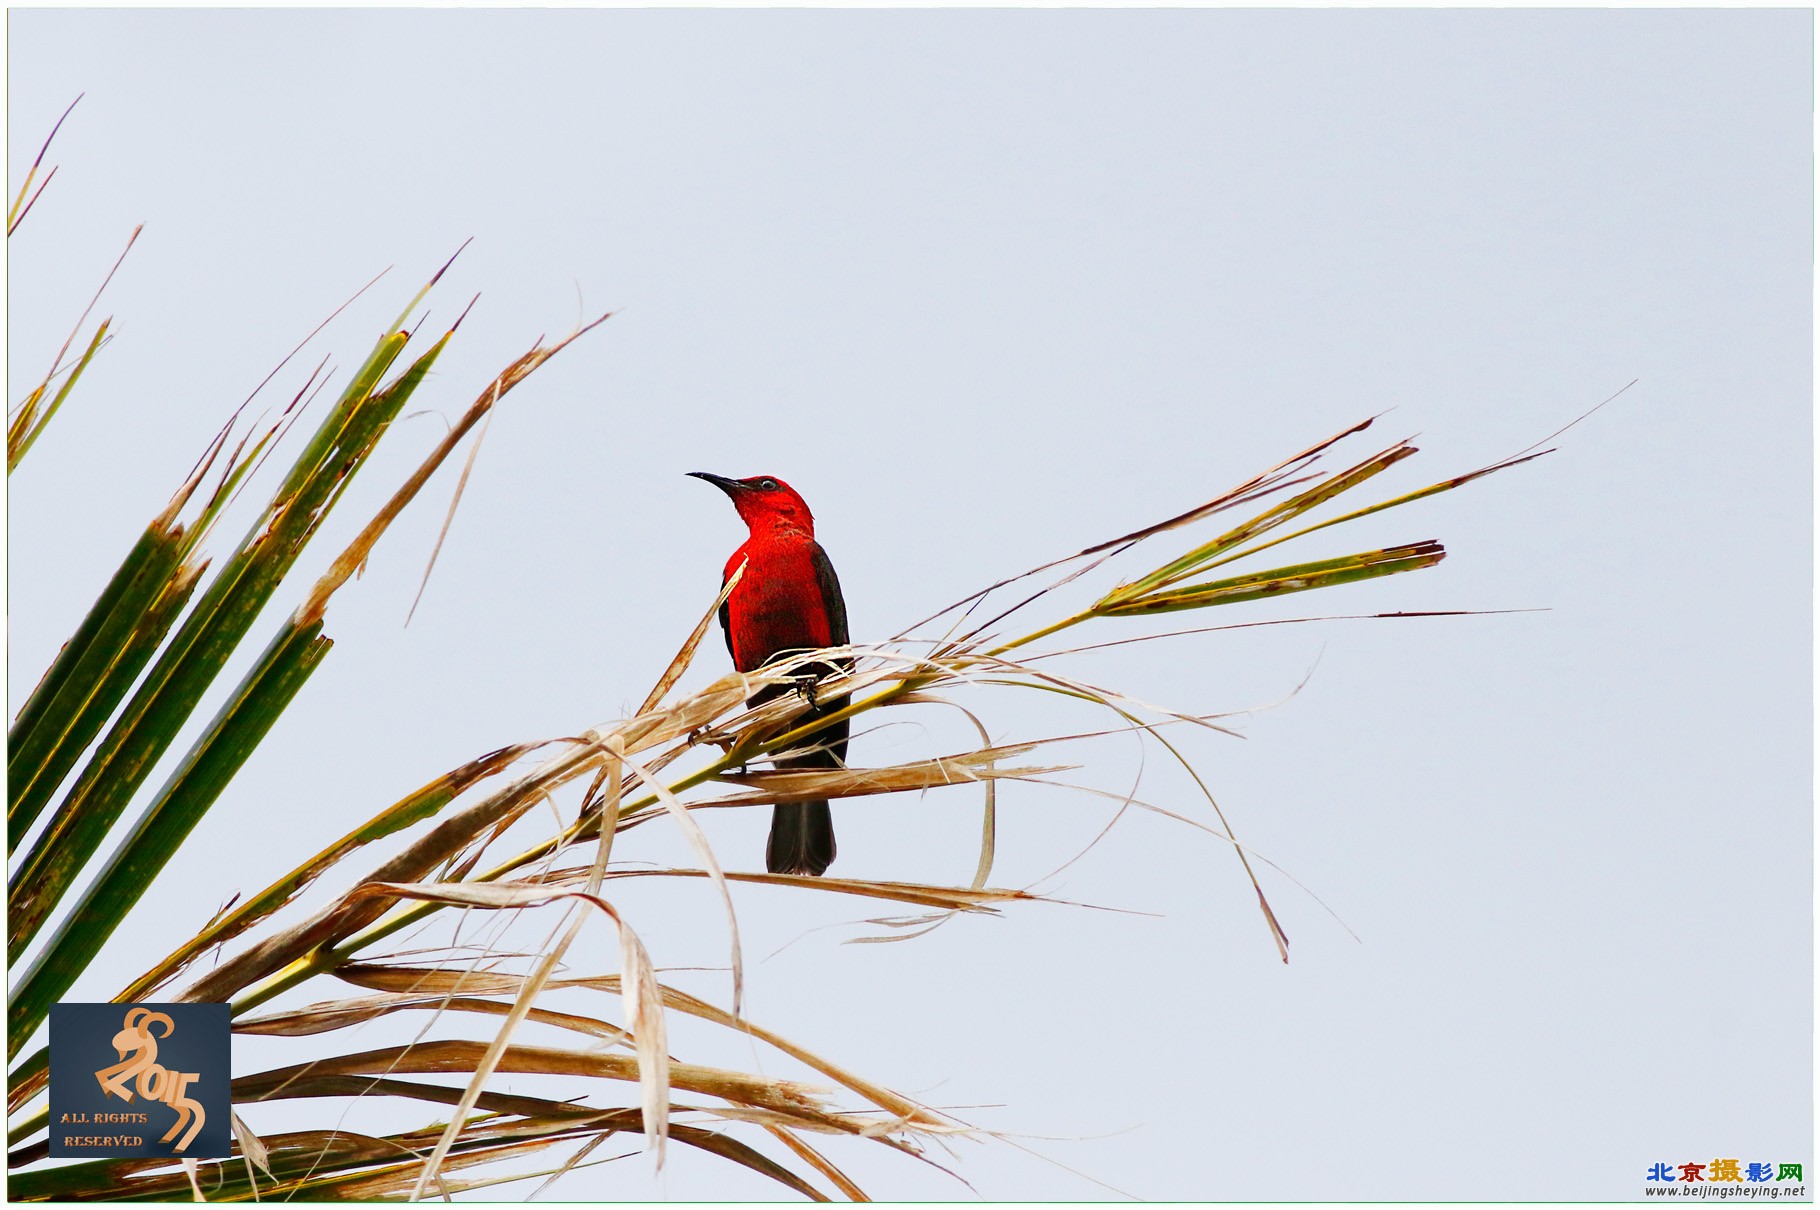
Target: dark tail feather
[802,833]
[802,838]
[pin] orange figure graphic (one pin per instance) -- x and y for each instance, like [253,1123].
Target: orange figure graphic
[137,1047]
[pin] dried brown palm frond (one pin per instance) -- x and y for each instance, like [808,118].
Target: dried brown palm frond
[679,753]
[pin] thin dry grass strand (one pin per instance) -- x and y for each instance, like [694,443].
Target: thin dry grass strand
[1052,1161]
[448,519]
[404,315]
[303,876]
[233,460]
[1576,420]
[978,668]
[574,1162]
[679,664]
[645,1018]
[1211,831]
[1281,514]
[1130,797]
[1111,699]
[314,332]
[645,1010]
[1119,545]
[789,1097]
[643,1002]
[646,732]
[102,341]
[1144,805]
[436,412]
[988,834]
[83,318]
[805,785]
[301,1083]
[281,428]
[355,555]
[947,898]
[950,670]
[14,226]
[15,214]
[181,497]
[1276,929]
[422,980]
[978,633]
[685,655]
[907,678]
[329,1015]
[928,923]
[819,1162]
[521,1006]
[989,818]
[698,841]
[354,913]
[1258,486]
[355,910]
[189,1170]
[1335,617]
[253,1153]
[1432,489]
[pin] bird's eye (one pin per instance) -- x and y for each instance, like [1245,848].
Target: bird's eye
[767,485]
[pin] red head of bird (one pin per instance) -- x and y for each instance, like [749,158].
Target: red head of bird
[765,503]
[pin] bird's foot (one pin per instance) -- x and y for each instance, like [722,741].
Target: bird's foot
[805,685]
[720,739]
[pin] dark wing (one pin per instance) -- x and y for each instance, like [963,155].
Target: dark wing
[833,604]
[726,630]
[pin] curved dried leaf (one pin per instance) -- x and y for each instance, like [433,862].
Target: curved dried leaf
[798,785]
[331,1015]
[458,1056]
[421,804]
[426,980]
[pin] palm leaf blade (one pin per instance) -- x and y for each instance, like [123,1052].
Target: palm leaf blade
[203,644]
[1279,581]
[50,724]
[217,756]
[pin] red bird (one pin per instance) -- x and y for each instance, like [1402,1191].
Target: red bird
[788,601]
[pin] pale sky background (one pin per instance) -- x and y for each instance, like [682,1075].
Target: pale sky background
[987,286]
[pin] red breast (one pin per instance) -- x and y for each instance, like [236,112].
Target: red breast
[777,604]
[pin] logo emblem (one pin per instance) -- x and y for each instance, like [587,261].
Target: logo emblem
[139,1080]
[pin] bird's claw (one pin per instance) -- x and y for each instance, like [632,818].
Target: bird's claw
[805,685]
[720,739]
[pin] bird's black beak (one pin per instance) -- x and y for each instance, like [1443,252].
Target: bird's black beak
[730,486]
